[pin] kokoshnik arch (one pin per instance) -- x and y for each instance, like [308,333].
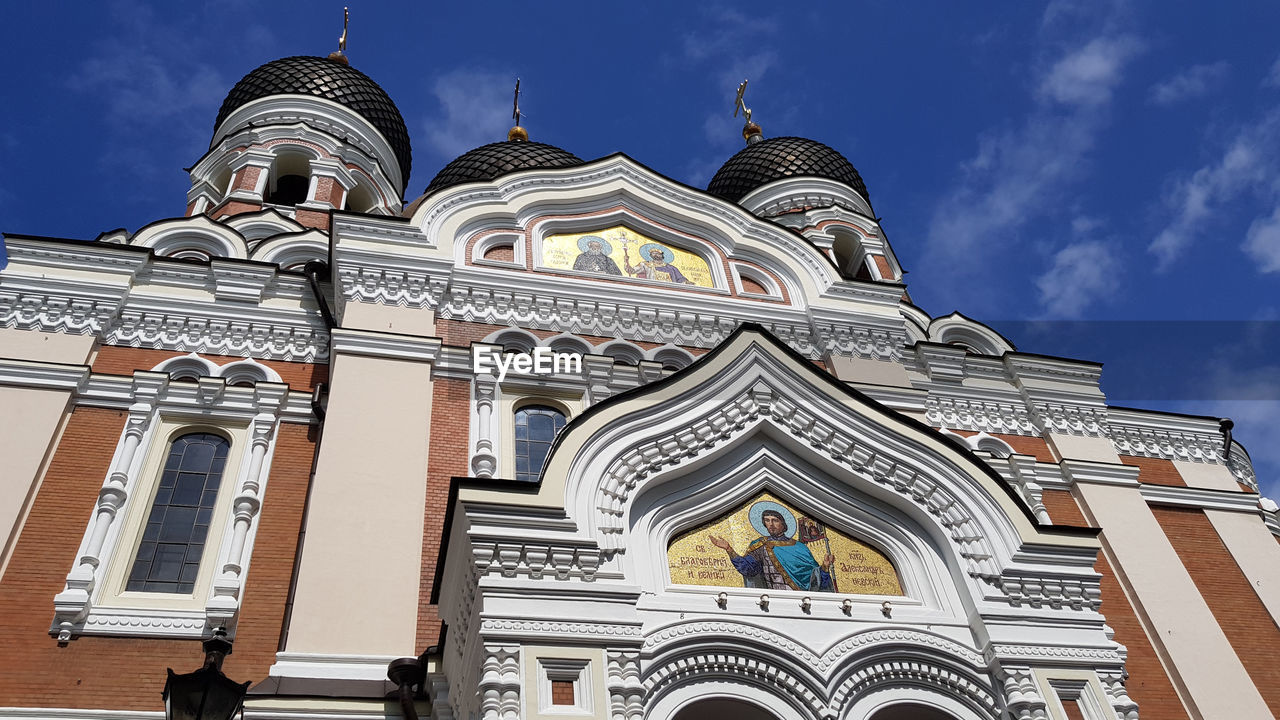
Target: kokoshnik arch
[772,488]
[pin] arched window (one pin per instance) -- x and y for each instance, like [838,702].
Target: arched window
[536,428]
[168,558]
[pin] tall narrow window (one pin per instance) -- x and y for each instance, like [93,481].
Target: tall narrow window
[168,558]
[536,428]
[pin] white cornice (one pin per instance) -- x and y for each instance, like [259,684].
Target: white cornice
[1200,498]
[1082,471]
[45,376]
[329,116]
[384,345]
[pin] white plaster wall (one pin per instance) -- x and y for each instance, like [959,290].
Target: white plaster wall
[389,318]
[1255,551]
[363,548]
[29,423]
[1208,476]
[870,372]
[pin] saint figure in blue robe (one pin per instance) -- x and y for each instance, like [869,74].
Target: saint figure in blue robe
[778,562]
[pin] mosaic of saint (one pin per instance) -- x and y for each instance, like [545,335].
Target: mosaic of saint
[769,544]
[621,252]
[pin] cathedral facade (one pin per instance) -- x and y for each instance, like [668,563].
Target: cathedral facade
[570,439]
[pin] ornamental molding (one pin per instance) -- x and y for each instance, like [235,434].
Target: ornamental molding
[500,628]
[596,185]
[1057,654]
[724,663]
[384,345]
[1163,436]
[144,316]
[1241,468]
[1059,592]
[330,117]
[1070,419]
[880,639]
[979,415]
[535,560]
[946,680]
[737,415]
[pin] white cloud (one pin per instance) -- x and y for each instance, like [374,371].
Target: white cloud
[1190,83]
[1273,76]
[1090,74]
[1082,273]
[475,109]
[1247,163]
[1023,173]
[1262,242]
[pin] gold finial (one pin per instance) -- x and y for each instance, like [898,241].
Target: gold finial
[517,133]
[341,53]
[751,132]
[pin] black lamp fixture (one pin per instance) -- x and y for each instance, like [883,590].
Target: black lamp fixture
[205,694]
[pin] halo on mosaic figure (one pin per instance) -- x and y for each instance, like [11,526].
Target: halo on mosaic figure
[757,522]
[667,256]
[605,247]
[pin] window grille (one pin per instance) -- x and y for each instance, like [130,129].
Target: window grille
[168,558]
[536,428]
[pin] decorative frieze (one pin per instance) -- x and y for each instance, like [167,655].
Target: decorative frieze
[979,415]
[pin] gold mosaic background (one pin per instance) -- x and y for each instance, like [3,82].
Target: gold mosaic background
[560,252]
[693,560]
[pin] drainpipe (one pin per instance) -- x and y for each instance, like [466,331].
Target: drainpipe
[316,271]
[405,673]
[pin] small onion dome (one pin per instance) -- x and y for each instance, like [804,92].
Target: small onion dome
[763,162]
[331,79]
[494,160]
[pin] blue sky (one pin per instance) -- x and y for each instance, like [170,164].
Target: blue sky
[1078,162]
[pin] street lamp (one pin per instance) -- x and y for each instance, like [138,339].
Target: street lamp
[205,694]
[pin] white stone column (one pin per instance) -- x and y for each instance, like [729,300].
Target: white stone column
[484,459]
[225,602]
[71,605]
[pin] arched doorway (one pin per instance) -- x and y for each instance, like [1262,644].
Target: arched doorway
[723,709]
[910,711]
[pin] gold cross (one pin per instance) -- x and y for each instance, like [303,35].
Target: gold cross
[342,41]
[738,104]
[515,103]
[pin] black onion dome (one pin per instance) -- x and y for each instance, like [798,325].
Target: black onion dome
[331,80]
[781,157]
[494,160]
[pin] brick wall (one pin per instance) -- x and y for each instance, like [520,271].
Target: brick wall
[1155,471]
[446,459]
[1248,626]
[121,360]
[1149,685]
[129,673]
[1021,444]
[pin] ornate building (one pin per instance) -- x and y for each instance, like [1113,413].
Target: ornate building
[751,480]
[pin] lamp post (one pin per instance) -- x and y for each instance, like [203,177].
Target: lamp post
[205,694]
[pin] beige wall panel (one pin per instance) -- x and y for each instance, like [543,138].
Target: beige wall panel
[29,422]
[871,372]
[1204,662]
[1206,475]
[389,318]
[364,532]
[1255,551]
[45,347]
[1074,447]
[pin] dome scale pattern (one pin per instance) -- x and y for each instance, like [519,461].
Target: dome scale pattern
[494,160]
[331,80]
[781,157]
